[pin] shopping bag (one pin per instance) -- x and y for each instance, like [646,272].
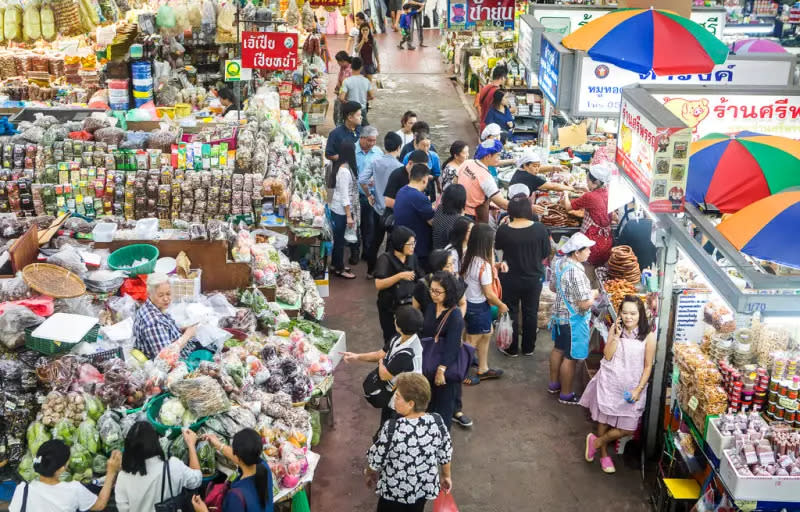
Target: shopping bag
[505,332]
[444,503]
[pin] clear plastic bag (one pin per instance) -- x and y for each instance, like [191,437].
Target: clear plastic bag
[123,307]
[14,289]
[505,332]
[13,321]
[202,395]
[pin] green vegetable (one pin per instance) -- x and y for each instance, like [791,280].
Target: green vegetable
[25,469]
[65,431]
[99,464]
[208,458]
[66,476]
[88,436]
[94,407]
[179,450]
[322,337]
[232,342]
[84,477]
[37,434]
[79,459]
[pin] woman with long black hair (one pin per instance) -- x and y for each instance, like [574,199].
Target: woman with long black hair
[458,240]
[447,214]
[478,270]
[344,205]
[459,153]
[367,49]
[252,489]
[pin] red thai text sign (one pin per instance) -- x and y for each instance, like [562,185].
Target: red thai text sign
[327,3]
[273,51]
[479,11]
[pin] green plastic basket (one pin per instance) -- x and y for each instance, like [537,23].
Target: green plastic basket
[154,407]
[122,258]
[197,357]
[53,347]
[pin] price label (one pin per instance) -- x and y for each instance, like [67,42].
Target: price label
[787,403]
[693,403]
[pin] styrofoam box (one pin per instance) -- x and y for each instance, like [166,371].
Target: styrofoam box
[716,440]
[340,346]
[764,488]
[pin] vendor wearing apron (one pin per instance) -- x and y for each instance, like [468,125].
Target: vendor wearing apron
[571,312]
[596,219]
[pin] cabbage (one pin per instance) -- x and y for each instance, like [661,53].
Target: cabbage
[37,434]
[25,469]
[99,464]
[88,436]
[188,418]
[64,431]
[94,407]
[79,460]
[171,413]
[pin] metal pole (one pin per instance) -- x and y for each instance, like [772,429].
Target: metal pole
[668,257]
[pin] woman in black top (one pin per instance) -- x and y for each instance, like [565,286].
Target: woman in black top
[525,244]
[454,198]
[396,271]
[444,323]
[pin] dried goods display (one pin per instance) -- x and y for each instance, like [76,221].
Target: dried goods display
[623,265]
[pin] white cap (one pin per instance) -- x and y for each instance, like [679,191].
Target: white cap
[492,129]
[577,242]
[518,188]
[601,172]
[527,158]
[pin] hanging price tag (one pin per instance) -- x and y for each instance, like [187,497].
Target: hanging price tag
[693,403]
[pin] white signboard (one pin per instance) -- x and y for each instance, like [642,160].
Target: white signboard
[599,89]
[568,20]
[716,112]
[689,325]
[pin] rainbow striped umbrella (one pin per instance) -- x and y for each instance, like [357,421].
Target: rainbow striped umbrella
[644,40]
[765,229]
[731,171]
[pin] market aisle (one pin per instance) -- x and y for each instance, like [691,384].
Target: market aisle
[525,451]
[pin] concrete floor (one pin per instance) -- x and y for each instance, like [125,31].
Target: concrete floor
[525,451]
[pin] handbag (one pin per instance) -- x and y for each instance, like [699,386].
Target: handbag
[173,503]
[497,287]
[375,390]
[431,357]
[387,219]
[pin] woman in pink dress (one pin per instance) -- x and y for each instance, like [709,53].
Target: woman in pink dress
[617,395]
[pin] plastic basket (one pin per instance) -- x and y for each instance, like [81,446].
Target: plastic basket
[105,355]
[53,347]
[186,289]
[122,258]
[154,407]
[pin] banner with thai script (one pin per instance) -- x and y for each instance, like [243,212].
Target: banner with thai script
[599,88]
[480,14]
[656,158]
[273,51]
[727,113]
[327,3]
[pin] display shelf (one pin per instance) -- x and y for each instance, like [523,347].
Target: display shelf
[771,295]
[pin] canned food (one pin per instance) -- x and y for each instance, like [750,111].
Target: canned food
[780,412]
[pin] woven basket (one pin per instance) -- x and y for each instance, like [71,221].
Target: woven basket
[53,281]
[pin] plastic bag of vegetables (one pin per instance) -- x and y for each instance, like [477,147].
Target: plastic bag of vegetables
[208,458]
[99,463]
[178,449]
[37,434]
[88,436]
[79,459]
[93,406]
[110,432]
[65,431]
[202,395]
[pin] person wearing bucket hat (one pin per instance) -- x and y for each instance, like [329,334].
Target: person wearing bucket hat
[571,312]
[596,219]
[477,179]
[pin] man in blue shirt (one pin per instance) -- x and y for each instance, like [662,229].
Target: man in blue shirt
[419,127]
[366,152]
[413,209]
[348,131]
[373,182]
[422,142]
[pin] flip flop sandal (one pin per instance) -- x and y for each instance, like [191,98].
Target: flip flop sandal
[343,276]
[491,373]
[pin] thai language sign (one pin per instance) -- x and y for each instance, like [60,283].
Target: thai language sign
[549,70]
[718,112]
[327,3]
[656,158]
[273,51]
[481,14]
[599,89]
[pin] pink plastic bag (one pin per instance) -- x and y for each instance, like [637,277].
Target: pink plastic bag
[444,503]
[505,332]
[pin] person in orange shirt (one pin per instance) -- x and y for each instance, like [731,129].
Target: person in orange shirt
[483,100]
[481,187]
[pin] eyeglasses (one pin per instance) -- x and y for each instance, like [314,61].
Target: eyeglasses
[437,291]
[411,243]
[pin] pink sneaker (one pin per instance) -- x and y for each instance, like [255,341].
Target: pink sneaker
[590,449]
[608,465]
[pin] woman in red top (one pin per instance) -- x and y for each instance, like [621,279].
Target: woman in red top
[596,219]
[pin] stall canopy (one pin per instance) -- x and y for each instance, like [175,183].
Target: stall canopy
[756,46]
[645,40]
[763,229]
[733,171]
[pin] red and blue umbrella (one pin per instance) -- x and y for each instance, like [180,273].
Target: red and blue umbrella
[763,229]
[644,40]
[731,171]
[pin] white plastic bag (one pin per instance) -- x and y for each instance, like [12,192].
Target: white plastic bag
[211,337]
[505,332]
[350,235]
